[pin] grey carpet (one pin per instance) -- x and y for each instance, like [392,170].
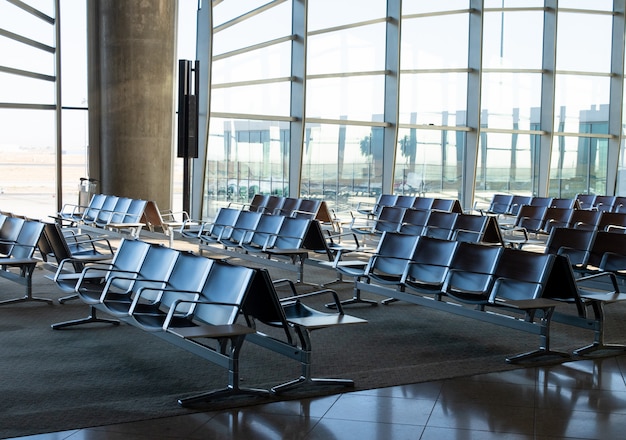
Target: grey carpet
[100,374]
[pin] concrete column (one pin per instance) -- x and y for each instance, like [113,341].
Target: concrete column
[132,46]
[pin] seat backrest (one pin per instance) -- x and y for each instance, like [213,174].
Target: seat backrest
[274,204]
[129,256]
[469,227]
[389,219]
[586,201]
[606,242]
[575,243]
[9,231]
[155,269]
[104,214]
[531,217]
[423,203]
[266,231]
[440,224]
[500,204]
[292,233]
[27,239]
[405,201]
[134,212]
[189,274]
[604,203]
[308,208]
[290,205]
[541,201]
[244,227]
[258,202]
[471,273]
[585,219]
[414,221]
[521,275]
[567,203]
[517,202]
[220,227]
[120,210]
[447,205]
[556,218]
[430,261]
[224,290]
[384,200]
[608,219]
[392,255]
[620,204]
[96,202]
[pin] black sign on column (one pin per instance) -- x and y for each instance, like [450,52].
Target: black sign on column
[188,83]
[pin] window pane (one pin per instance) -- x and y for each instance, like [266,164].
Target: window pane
[507,163]
[269,62]
[351,50]
[513,40]
[436,42]
[514,3]
[358,98]
[23,57]
[438,98]
[255,29]
[74,156]
[596,5]
[22,90]
[261,99]
[584,42]
[245,158]
[20,22]
[74,53]
[510,100]
[578,166]
[420,6]
[228,10]
[28,162]
[429,162]
[343,12]
[587,104]
[342,163]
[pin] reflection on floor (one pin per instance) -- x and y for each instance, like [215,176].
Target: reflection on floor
[585,399]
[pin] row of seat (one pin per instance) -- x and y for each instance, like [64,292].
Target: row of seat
[105,211]
[489,283]
[510,204]
[541,220]
[431,222]
[18,243]
[373,210]
[188,300]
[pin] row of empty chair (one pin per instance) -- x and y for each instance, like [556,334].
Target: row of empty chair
[206,306]
[541,220]
[510,204]
[431,222]
[403,201]
[105,211]
[489,283]
[18,242]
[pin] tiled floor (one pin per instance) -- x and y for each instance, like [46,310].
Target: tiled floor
[584,399]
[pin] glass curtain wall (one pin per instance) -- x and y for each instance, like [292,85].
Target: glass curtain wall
[513,96]
[28,107]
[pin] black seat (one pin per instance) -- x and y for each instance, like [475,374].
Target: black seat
[440,224]
[556,218]
[469,227]
[242,230]
[90,283]
[20,257]
[471,273]
[211,232]
[423,203]
[264,234]
[500,204]
[585,219]
[573,243]
[428,268]
[586,201]
[414,221]
[385,266]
